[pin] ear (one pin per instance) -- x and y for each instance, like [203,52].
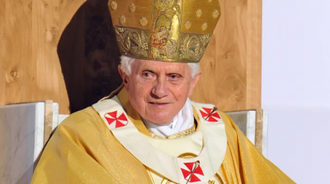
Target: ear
[123,76]
[193,83]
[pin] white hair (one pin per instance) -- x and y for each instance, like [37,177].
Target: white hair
[126,63]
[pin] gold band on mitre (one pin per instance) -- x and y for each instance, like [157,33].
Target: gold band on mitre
[164,30]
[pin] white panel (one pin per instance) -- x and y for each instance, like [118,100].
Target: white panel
[245,120]
[55,115]
[18,130]
[39,128]
[251,126]
[265,133]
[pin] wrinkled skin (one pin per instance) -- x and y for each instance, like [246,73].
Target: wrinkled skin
[158,90]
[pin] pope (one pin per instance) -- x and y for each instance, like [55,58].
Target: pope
[148,130]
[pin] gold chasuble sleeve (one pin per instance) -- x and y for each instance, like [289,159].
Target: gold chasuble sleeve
[83,150]
[243,163]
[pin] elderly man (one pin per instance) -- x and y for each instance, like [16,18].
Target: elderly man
[148,131]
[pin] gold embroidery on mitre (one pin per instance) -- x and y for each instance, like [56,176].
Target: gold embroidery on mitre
[193,46]
[215,13]
[113,5]
[187,25]
[143,21]
[122,19]
[210,1]
[133,42]
[132,7]
[204,26]
[199,13]
[164,26]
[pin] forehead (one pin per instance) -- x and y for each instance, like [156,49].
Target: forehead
[155,66]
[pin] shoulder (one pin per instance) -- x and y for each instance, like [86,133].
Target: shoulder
[81,126]
[86,117]
[208,108]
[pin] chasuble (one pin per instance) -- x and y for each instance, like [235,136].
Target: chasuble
[108,143]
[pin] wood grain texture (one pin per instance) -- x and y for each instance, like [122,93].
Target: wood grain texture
[31,70]
[254,50]
[45,35]
[19,71]
[29,61]
[231,75]
[2,50]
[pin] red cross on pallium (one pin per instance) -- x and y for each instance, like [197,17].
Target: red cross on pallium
[191,172]
[120,121]
[206,111]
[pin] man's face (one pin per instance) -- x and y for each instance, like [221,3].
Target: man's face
[158,90]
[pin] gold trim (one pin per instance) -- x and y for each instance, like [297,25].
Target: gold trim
[176,135]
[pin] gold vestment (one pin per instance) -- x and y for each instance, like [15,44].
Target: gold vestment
[84,150]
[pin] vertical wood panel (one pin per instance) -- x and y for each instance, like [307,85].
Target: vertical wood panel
[45,35]
[231,64]
[19,73]
[254,27]
[2,50]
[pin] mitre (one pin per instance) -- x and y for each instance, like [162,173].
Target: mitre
[164,30]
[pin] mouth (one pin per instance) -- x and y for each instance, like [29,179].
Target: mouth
[158,103]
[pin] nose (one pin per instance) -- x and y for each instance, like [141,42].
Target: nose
[160,88]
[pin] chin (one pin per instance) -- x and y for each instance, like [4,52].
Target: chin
[160,120]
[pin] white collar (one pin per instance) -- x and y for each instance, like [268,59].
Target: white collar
[182,121]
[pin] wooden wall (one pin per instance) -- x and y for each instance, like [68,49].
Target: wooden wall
[32,43]
[231,66]
[30,31]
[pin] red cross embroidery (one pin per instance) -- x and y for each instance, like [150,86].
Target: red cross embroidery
[120,121]
[206,112]
[193,169]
